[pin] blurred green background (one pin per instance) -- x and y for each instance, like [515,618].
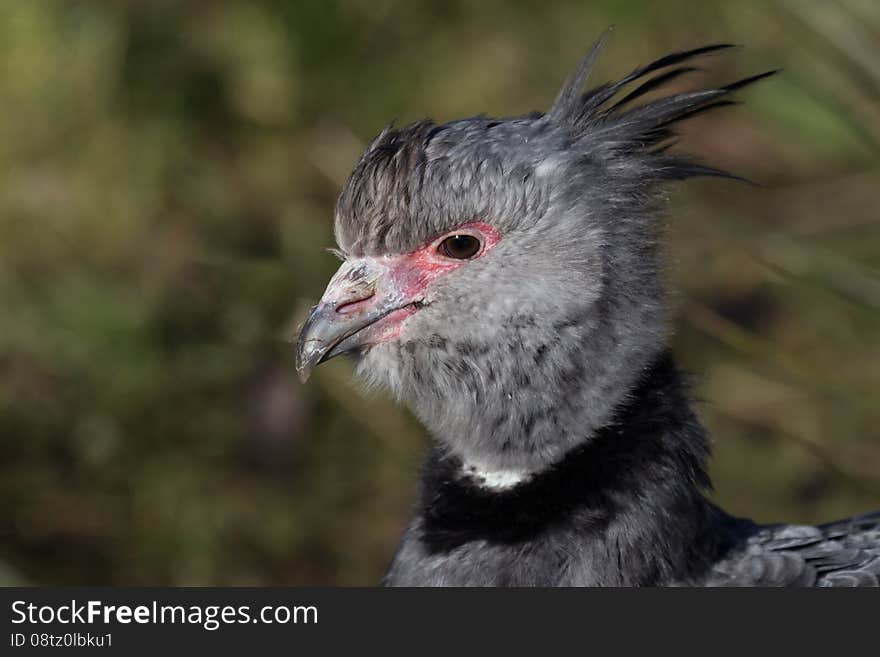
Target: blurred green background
[167,177]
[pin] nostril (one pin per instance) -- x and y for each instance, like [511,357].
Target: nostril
[354,306]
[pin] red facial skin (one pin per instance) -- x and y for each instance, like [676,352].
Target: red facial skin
[411,274]
[415,271]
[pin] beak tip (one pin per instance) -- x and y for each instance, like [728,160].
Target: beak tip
[304,374]
[305,363]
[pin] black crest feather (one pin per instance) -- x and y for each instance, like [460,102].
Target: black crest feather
[645,128]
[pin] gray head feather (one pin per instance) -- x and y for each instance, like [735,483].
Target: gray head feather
[520,355]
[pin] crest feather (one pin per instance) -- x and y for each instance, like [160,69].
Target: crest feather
[645,128]
[567,100]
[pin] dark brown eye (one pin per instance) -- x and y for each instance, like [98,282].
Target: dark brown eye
[460,247]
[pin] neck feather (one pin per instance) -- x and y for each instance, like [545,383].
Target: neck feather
[642,476]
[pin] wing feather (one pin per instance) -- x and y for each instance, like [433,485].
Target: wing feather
[842,553]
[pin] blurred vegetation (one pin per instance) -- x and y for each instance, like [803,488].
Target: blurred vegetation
[168,176]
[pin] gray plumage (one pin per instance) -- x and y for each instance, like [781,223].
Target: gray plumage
[843,553]
[566,451]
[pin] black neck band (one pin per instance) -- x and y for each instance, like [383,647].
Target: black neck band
[652,455]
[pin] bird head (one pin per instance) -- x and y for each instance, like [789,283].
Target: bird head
[502,276]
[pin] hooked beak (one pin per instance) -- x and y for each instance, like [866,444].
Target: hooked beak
[361,306]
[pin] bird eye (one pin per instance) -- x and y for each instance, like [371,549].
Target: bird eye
[460,247]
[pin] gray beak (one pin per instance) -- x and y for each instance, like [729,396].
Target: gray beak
[360,294]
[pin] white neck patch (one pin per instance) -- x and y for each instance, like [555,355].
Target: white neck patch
[496,479]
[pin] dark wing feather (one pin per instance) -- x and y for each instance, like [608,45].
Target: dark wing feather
[844,553]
